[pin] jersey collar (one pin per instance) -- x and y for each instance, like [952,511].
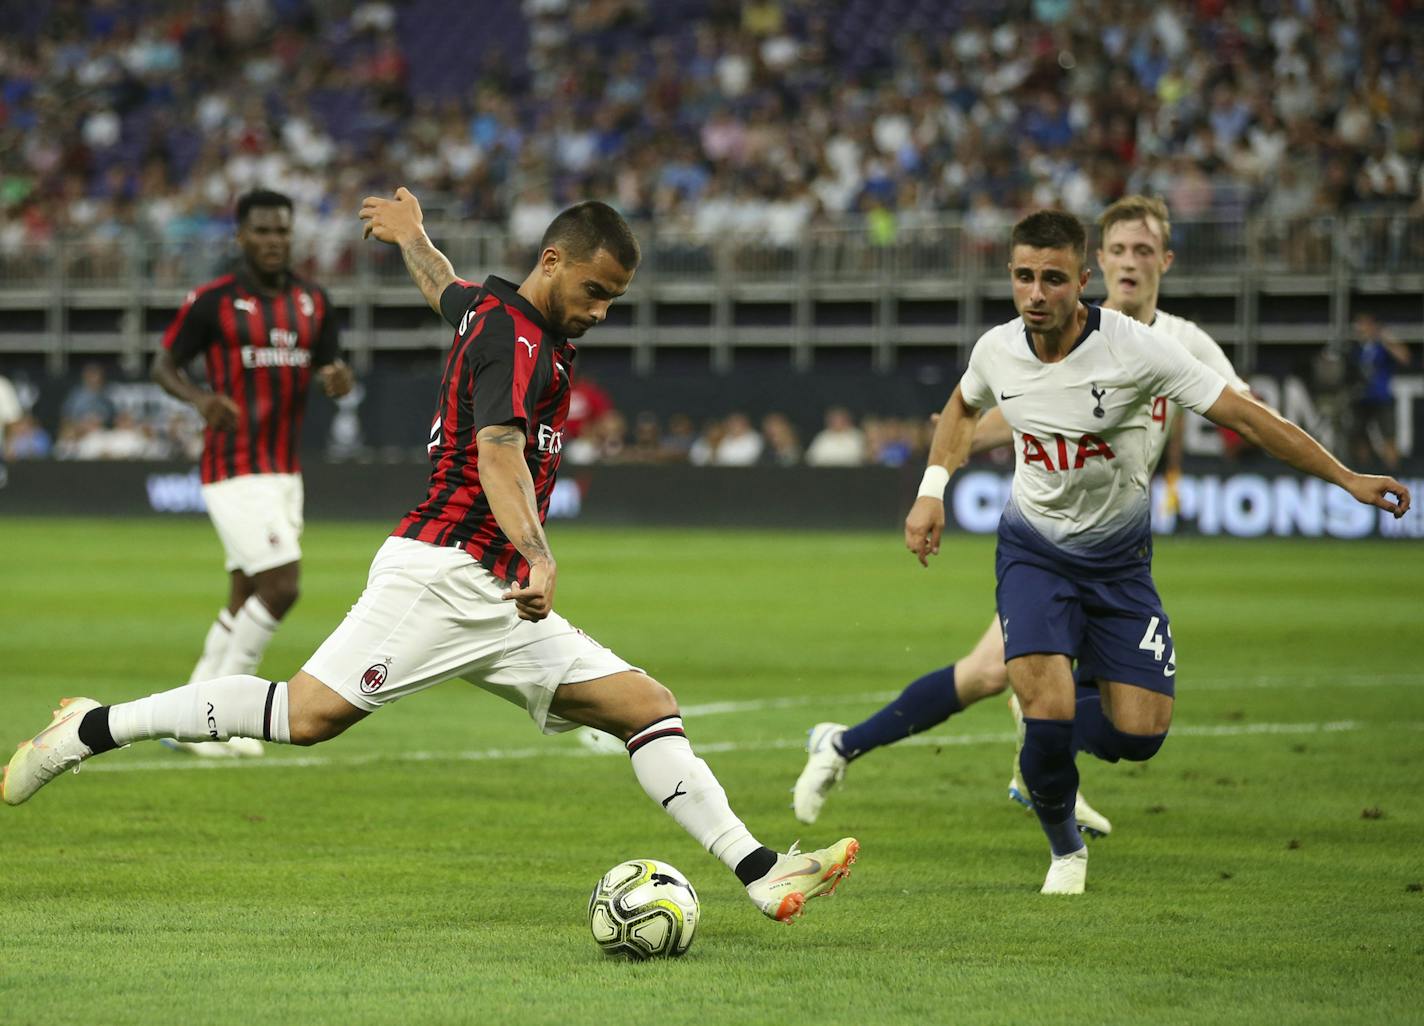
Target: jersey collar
[508,294]
[1092,324]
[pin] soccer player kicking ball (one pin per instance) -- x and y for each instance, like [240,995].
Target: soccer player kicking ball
[464,587]
[1135,252]
[1074,557]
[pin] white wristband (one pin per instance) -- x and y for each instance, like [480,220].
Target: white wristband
[933,483]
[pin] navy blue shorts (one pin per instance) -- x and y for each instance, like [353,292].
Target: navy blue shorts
[1116,629]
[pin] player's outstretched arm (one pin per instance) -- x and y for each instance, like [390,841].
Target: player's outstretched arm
[1285,441]
[510,490]
[991,432]
[950,448]
[218,411]
[400,222]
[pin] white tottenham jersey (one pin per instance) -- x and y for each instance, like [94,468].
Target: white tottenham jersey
[1083,452]
[1201,345]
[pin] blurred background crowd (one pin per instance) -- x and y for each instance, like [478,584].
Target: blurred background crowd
[762,116]
[124,119]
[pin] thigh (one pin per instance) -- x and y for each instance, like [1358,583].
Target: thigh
[1043,683]
[1128,638]
[541,658]
[620,704]
[427,614]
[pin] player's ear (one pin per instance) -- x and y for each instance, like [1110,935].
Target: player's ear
[1167,259]
[549,260]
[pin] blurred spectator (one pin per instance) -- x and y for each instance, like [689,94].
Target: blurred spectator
[704,449]
[26,439]
[679,438]
[740,444]
[889,442]
[839,444]
[1377,353]
[89,399]
[602,440]
[126,440]
[587,402]
[783,446]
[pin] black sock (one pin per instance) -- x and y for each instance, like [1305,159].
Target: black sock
[94,731]
[756,865]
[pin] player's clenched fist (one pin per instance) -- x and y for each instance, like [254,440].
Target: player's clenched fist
[923,528]
[219,412]
[391,220]
[534,600]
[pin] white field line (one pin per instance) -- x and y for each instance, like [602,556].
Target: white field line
[181,762]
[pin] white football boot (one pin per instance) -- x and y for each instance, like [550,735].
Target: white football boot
[825,768]
[1067,874]
[49,753]
[799,876]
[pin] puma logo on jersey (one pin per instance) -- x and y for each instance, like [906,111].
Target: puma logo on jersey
[531,346]
[245,305]
[1088,447]
[677,791]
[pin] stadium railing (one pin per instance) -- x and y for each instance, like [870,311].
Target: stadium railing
[891,288]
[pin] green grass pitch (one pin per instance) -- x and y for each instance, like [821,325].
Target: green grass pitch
[433,865]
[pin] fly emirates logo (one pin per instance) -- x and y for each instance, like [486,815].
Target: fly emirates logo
[281,351]
[1058,453]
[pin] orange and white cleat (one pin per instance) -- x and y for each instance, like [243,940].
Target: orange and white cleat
[800,876]
[49,753]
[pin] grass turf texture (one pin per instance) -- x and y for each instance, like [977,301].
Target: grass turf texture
[434,864]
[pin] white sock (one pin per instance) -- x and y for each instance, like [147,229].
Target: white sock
[210,710]
[252,629]
[675,778]
[215,646]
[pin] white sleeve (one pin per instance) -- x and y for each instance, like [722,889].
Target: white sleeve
[974,385]
[1168,370]
[1206,349]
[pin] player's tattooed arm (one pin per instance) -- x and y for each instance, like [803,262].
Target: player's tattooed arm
[510,490]
[428,267]
[401,222]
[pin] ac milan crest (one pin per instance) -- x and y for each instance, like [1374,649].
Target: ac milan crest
[373,678]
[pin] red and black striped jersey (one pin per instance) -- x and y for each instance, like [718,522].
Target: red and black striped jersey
[505,367]
[260,350]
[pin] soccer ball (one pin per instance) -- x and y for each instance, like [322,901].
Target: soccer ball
[643,908]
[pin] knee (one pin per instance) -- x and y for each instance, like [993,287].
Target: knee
[975,679]
[279,596]
[1138,747]
[308,728]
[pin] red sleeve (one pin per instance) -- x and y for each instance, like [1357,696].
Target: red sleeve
[192,326]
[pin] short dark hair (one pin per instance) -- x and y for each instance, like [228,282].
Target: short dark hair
[585,228]
[264,198]
[1052,229]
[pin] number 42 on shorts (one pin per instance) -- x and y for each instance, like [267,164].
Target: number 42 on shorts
[1152,642]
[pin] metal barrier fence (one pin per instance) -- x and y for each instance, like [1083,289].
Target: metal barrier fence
[950,267]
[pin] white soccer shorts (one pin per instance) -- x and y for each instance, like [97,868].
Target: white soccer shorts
[258,518]
[431,613]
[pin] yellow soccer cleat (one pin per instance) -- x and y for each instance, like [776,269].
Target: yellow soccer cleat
[800,876]
[49,753]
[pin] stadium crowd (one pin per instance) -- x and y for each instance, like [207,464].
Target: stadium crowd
[762,116]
